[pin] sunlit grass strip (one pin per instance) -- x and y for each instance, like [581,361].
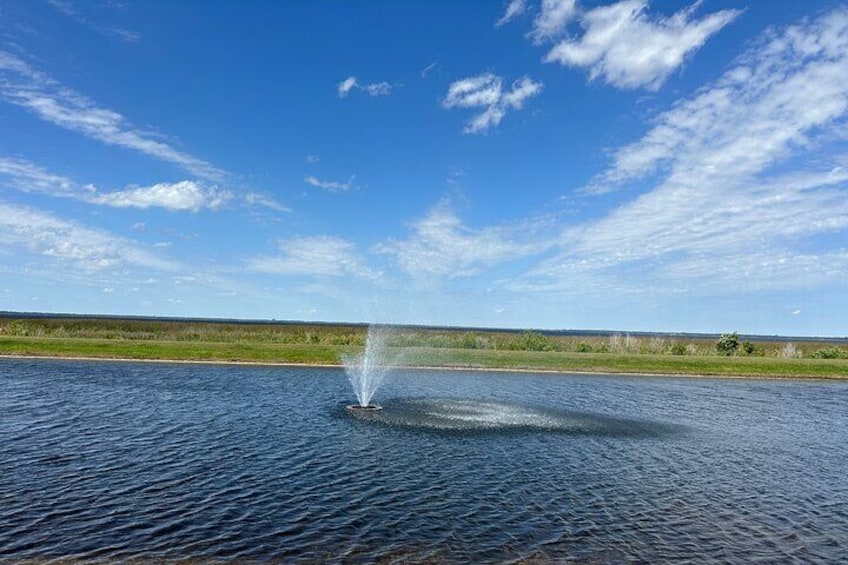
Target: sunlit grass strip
[430,357]
[631,363]
[170,350]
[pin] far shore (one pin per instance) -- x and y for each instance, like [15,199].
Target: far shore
[307,345]
[453,368]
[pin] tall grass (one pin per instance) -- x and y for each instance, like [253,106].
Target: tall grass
[342,335]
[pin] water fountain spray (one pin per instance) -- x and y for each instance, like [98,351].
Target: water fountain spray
[367,370]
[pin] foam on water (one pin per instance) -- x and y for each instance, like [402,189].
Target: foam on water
[475,415]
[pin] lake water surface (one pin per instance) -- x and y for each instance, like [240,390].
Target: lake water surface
[115,462]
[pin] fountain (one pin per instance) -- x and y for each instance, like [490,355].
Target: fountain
[367,370]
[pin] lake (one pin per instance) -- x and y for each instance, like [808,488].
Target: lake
[112,461]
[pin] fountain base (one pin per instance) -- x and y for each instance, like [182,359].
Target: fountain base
[360,408]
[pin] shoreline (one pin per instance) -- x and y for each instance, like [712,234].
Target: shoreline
[283,364]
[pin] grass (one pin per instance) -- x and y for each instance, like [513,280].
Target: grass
[633,363]
[170,350]
[319,354]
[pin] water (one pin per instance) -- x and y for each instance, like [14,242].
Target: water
[115,462]
[367,370]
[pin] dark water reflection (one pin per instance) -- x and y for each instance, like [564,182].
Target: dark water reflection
[468,416]
[115,462]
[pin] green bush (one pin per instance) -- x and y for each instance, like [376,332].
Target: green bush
[830,353]
[534,341]
[678,349]
[469,341]
[752,349]
[728,344]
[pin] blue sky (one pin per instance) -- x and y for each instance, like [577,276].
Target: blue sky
[629,165]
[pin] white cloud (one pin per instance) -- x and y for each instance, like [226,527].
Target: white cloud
[183,195]
[88,249]
[428,69]
[123,34]
[480,90]
[754,114]
[623,46]
[553,18]
[315,256]
[332,186]
[378,89]
[740,181]
[70,10]
[514,9]
[49,100]
[29,177]
[345,86]
[486,91]
[373,89]
[440,246]
[266,201]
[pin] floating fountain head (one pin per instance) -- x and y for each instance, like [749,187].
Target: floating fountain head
[367,408]
[367,370]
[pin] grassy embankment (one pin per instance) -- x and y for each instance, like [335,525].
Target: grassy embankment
[319,344]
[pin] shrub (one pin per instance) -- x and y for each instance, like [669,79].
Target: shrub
[534,341]
[678,349]
[830,353]
[750,348]
[602,348]
[728,344]
[469,341]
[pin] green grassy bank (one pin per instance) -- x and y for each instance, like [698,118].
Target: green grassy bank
[318,354]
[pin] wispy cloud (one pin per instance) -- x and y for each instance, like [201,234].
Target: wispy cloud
[24,86]
[373,89]
[624,46]
[442,247]
[330,185]
[29,177]
[345,86]
[73,11]
[178,196]
[428,69]
[185,195]
[741,178]
[266,201]
[69,242]
[753,115]
[322,256]
[514,9]
[552,19]
[485,91]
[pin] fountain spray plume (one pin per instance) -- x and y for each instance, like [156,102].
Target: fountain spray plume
[367,370]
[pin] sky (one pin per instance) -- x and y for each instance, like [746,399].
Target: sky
[626,165]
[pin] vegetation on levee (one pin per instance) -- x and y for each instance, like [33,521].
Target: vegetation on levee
[629,363]
[324,344]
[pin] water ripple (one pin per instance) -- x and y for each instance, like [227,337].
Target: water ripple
[466,415]
[133,463]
